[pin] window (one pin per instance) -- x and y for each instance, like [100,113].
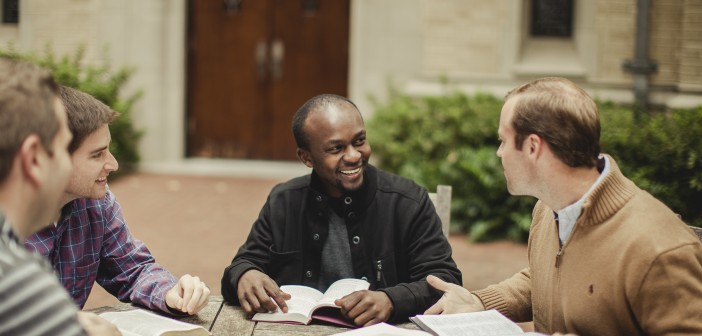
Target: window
[10,11]
[555,40]
[552,18]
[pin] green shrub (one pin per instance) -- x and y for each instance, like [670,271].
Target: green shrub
[661,153]
[452,139]
[103,84]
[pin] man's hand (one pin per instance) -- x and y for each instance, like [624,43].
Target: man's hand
[456,299]
[189,295]
[366,307]
[255,291]
[96,325]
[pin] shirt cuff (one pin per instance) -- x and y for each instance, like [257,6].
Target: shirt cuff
[492,299]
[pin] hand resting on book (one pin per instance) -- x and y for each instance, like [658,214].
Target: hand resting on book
[456,299]
[366,307]
[189,295]
[255,291]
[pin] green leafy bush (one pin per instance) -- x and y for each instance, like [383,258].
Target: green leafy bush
[103,84]
[452,139]
[661,153]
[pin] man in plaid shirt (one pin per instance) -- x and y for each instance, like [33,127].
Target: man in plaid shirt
[35,168]
[90,241]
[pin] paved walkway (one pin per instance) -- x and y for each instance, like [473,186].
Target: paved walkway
[194,217]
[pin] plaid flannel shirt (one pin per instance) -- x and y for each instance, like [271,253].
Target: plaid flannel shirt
[91,242]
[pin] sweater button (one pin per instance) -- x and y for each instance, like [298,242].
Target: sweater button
[356,240]
[308,274]
[351,215]
[348,200]
[315,236]
[318,198]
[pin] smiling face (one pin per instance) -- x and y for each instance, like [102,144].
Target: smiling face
[338,149]
[92,163]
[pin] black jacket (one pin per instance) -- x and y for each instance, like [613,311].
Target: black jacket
[394,234]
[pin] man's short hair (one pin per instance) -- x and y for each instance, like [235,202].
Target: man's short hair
[27,98]
[561,113]
[85,114]
[298,122]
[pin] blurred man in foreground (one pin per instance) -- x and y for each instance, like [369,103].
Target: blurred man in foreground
[34,170]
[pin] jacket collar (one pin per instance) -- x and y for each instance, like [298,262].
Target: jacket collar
[608,197]
[353,201]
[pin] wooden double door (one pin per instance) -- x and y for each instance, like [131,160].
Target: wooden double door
[252,64]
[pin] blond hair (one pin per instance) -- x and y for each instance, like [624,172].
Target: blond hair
[561,113]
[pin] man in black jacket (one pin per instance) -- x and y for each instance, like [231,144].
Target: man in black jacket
[346,219]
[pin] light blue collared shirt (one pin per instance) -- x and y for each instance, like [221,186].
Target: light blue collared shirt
[568,215]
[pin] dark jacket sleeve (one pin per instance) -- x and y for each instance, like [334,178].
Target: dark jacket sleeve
[254,254]
[428,252]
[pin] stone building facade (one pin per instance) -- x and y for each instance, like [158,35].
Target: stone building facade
[474,45]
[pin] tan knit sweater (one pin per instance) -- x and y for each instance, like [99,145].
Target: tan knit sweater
[630,267]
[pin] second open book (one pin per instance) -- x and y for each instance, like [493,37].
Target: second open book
[307,303]
[139,322]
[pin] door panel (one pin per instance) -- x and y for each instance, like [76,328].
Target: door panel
[317,62]
[222,78]
[252,66]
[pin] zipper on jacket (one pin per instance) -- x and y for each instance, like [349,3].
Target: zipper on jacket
[378,270]
[379,273]
[558,257]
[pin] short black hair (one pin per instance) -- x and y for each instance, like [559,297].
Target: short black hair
[298,121]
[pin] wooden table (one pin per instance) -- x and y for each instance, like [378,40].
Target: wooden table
[233,321]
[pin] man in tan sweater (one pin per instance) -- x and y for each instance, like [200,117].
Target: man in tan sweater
[605,257]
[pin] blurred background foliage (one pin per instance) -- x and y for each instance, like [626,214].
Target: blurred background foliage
[103,83]
[452,139]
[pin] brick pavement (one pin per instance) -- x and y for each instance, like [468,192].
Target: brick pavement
[194,224]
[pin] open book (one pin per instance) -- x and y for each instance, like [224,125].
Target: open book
[307,303]
[383,329]
[484,323]
[139,322]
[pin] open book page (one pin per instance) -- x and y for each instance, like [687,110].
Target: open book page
[383,329]
[143,323]
[485,323]
[327,311]
[341,288]
[127,333]
[302,299]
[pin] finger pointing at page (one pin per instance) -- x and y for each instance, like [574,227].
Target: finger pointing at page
[257,292]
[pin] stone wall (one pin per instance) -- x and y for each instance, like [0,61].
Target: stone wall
[690,68]
[148,36]
[477,45]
